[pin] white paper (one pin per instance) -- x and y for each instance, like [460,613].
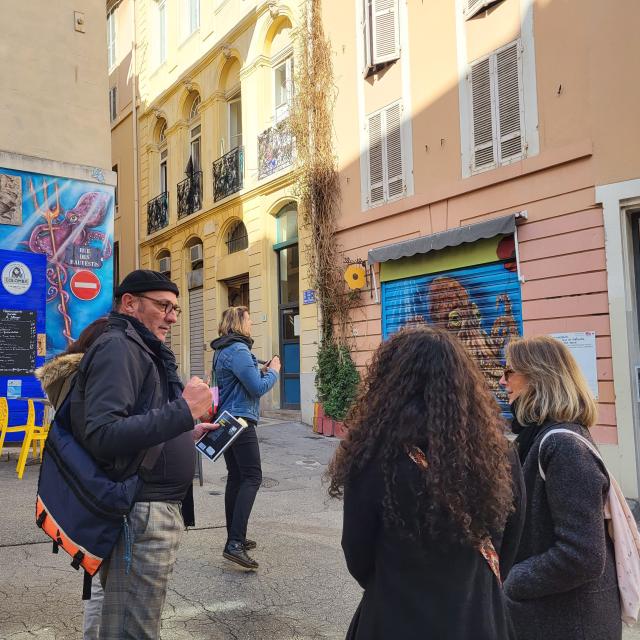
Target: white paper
[582,345]
[296,325]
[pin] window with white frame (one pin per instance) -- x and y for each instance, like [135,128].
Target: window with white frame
[162,30]
[164,154]
[235,121]
[385,160]
[497,117]
[283,88]
[195,131]
[113,103]
[190,16]
[380,32]
[111,38]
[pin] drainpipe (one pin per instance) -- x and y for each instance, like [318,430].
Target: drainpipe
[136,195]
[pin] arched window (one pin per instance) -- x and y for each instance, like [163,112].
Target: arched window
[164,263]
[237,238]
[195,108]
[162,133]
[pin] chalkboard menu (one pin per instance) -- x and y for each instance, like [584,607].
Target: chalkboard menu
[17,342]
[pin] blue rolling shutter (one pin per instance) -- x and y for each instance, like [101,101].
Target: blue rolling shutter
[481,305]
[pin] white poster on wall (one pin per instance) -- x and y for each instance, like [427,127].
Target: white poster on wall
[582,345]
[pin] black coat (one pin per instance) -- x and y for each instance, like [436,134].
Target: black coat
[121,406]
[416,590]
[563,585]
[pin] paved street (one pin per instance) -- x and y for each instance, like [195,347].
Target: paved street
[301,592]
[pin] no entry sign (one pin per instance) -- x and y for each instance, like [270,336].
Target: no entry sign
[85,285]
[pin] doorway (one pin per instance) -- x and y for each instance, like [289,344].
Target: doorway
[289,305]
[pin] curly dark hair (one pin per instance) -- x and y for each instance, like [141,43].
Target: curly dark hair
[423,390]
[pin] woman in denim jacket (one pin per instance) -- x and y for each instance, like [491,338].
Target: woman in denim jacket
[241,383]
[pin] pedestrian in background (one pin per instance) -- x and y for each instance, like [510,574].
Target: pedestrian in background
[56,377]
[564,582]
[241,384]
[433,503]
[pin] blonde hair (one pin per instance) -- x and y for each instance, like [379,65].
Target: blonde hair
[556,388]
[232,321]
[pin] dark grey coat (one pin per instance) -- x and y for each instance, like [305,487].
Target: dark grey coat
[563,585]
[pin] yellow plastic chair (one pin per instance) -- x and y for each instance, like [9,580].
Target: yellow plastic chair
[4,422]
[34,434]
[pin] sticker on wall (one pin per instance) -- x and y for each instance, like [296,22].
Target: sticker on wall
[16,278]
[10,199]
[42,344]
[14,389]
[85,285]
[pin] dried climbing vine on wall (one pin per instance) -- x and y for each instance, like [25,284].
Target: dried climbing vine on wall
[318,182]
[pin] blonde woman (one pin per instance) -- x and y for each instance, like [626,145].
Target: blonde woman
[563,584]
[241,383]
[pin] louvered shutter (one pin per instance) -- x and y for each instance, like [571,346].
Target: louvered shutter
[473,7]
[393,148]
[376,163]
[509,102]
[385,31]
[196,332]
[484,152]
[366,34]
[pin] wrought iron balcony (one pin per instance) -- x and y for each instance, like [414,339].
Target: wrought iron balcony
[228,174]
[190,194]
[275,149]
[158,213]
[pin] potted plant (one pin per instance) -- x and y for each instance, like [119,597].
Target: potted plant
[337,380]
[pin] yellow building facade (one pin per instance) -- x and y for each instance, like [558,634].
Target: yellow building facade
[217,207]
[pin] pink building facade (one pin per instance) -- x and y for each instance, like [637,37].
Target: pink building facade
[475,112]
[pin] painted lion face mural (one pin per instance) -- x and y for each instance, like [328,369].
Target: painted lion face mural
[451,307]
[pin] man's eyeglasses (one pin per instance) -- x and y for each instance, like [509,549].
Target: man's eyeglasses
[165,305]
[507,373]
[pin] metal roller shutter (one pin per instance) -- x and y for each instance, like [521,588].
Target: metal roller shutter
[481,305]
[196,332]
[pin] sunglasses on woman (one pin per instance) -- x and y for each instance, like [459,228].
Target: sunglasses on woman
[507,373]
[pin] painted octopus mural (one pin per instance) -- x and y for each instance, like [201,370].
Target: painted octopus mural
[62,233]
[452,308]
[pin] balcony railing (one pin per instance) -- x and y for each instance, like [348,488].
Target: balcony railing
[275,149]
[190,194]
[228,174]
[158,213]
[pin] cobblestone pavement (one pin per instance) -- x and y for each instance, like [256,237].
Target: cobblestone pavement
[301,592]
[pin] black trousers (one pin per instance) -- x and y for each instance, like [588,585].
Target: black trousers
[243,481]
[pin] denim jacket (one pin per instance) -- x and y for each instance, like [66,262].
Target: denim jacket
[240,381]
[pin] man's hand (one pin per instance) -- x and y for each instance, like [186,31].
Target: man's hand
[198,396]
[201,428]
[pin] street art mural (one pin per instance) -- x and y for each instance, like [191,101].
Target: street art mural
[70,223]
[481,305]
[56,273]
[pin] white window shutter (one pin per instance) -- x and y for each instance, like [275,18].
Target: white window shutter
[366,34]
[474,7]
[484,151]
[376,162]
[385,31]
[509,102]
[393,148]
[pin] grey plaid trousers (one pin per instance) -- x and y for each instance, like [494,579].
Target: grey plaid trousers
[133,603]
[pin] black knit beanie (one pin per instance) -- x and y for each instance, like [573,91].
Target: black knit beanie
[143,280]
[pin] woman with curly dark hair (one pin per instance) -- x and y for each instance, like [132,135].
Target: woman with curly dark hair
[432,495]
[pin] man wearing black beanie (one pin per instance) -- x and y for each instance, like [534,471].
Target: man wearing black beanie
[128,404]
